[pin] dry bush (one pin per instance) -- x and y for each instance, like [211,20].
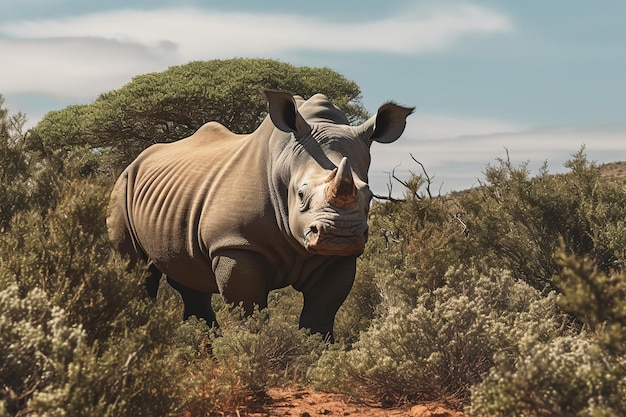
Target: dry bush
[444,342]
[264,350]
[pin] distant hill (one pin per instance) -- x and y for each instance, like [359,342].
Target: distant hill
[614,170]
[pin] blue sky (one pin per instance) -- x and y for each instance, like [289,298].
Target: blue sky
[539,78]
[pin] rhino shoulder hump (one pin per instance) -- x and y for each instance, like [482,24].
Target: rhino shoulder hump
[212,129]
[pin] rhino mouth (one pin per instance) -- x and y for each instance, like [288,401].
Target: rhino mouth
[319,241]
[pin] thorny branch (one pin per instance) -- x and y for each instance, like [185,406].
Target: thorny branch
[392,176]
[428,180]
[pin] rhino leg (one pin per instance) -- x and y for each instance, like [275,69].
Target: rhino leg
[197,303]
[322,301]
[152,281]
[241,278]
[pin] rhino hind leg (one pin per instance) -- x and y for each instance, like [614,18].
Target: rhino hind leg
[152,281]
[197,303]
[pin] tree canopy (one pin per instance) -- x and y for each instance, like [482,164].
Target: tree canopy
[170,105]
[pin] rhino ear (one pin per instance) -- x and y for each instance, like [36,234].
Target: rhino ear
[284,113]
[388,124]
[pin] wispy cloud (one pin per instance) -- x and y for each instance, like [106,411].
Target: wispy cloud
[457,162]
[85,55]
[437,127]
[73,67]
[196,31]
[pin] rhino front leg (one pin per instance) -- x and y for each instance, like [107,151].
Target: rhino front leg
[242,278]
[322,301]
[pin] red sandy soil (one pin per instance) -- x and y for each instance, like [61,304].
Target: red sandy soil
[307,403]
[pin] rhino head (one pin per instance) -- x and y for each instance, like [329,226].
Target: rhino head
[322,167]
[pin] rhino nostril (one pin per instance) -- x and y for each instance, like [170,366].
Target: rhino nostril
[314,229]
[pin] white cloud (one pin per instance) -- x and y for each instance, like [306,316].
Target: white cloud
[435,126]
[73,67]
[196,31]
[458,161]
[84,55]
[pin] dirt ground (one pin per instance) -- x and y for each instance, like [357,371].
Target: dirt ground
[614,170]
[307,403]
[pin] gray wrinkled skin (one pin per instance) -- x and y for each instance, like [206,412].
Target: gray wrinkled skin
[241,215]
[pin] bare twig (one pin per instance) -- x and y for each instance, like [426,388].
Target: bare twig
[429,179]
[457,217]
[404,183]
[409,185]
[389,197]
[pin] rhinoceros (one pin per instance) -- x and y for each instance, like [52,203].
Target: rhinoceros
[243,214]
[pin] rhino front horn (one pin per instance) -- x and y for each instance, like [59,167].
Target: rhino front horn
[341,191]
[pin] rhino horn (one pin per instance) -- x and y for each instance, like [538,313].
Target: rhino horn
[341,191]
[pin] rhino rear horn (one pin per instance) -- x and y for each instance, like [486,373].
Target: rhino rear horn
[341,191]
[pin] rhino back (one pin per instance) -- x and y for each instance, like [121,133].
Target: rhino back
[194,197]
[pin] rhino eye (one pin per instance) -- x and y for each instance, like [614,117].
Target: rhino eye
[303,198]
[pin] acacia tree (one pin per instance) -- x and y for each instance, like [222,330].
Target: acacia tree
[170,105]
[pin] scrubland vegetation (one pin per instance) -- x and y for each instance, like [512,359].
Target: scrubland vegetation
[507,299]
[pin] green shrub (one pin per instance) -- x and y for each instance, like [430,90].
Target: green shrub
[66,253]
[411,246]
[49,367]
[443,342]
[581,374]
[360,308]
[37,346]
[596,298]
[567,376]
[148,364]
[263,351]
[15,166]
[516,221]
